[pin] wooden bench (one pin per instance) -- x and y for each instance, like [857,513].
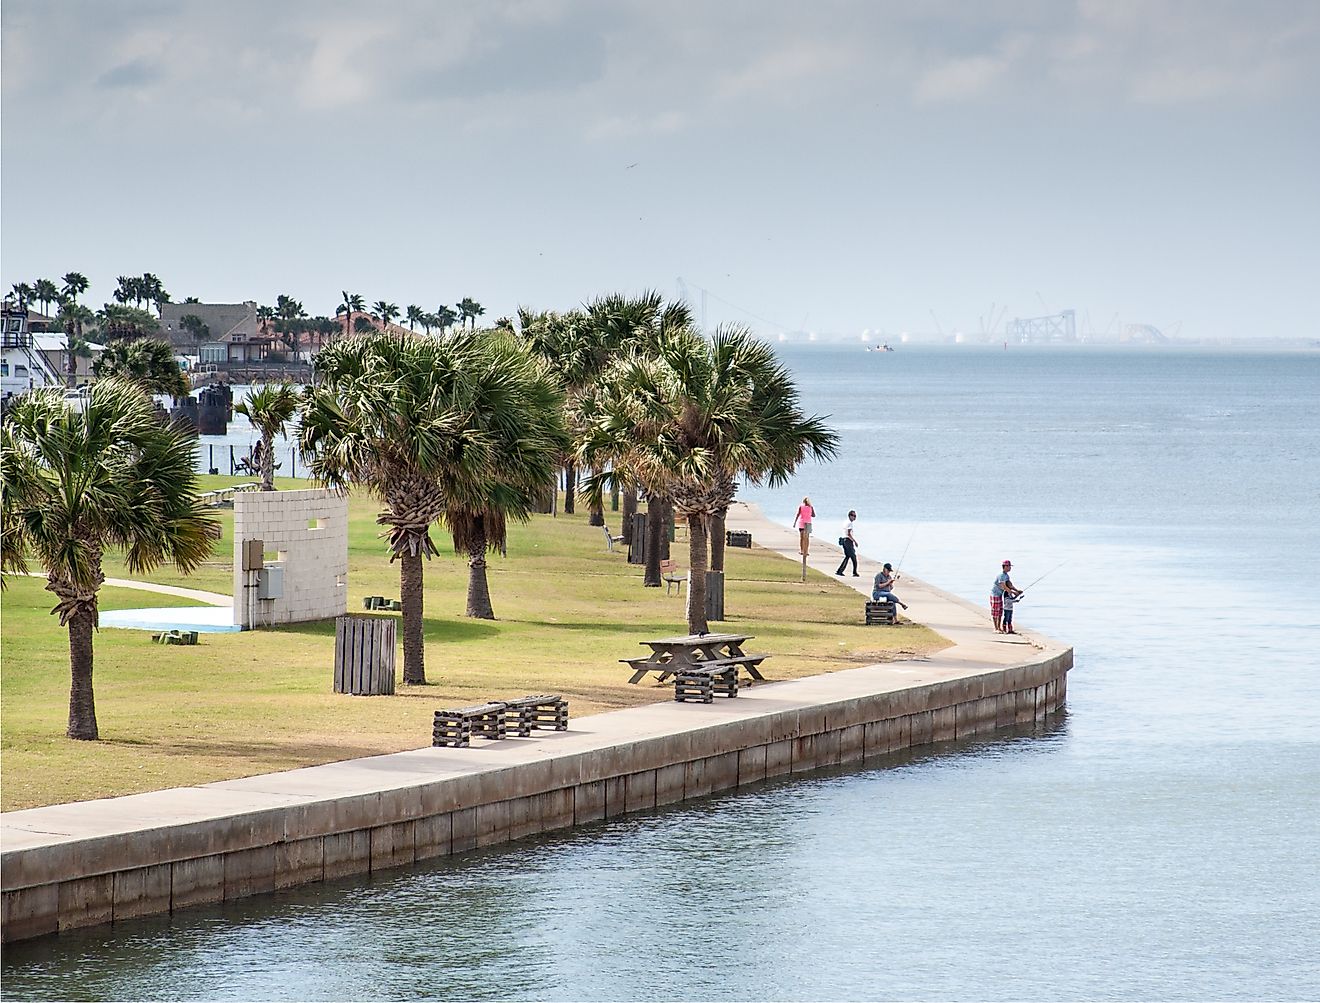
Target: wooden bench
[641,666]
[175,637]
[703,682]
[456,727]
[610,539]
[882,612]
[545,711]
[749,662]
[669,572]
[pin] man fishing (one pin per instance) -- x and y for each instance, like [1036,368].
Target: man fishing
[1002,588]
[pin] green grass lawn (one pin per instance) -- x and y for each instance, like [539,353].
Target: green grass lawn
[259,701]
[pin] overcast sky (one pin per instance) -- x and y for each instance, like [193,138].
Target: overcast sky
[825,166]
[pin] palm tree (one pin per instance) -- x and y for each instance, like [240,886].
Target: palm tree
[71,320]
[428,321]
[270,409]
[386,312]
[147,362]
[77,482]
[153,291]
[265,317]
[353,303]
[418,422]
[22,291]
[415,315]
[445,317]
[289,313]
[123,289]
[687,416]
[45,292]
[469,309]
[75,284]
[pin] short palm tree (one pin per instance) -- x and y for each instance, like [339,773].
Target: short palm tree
[686,416]
[147,362]
[414,313]
[79,482]
[422,423]
[386,312]
[270,409]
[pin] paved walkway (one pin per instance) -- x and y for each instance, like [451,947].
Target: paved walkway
[976,649]
[210,598]
[968,626]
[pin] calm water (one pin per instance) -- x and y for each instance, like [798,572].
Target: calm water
[1160,841]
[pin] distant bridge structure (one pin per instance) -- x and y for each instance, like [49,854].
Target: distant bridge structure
[1039,330]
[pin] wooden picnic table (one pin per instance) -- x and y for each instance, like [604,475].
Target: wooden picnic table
[671,654]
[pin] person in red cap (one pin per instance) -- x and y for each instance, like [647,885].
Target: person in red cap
[1003,587]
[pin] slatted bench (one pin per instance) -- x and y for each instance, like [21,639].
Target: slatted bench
[456,727]
[611,539]
[545,711]
[175,637]
[882,612]
[380,602]
[749,662]
[737,538]
[672,576]
[703,682]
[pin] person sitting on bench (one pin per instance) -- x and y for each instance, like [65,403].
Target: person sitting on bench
[884,581]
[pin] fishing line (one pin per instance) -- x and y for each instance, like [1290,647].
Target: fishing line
[1044,576]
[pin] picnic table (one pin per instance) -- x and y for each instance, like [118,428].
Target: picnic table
[673,654]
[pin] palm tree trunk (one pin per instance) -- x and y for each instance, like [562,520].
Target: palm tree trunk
[655,508]
[268,463]
[478,596]
[597,517]
[666,519]
[697,561]
[717,541]
[570,488]
[410,592]
[629,510]
[82,701]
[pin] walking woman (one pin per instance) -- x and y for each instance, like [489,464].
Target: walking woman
[802,521]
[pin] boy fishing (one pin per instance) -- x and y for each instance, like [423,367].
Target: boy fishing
[1002,594]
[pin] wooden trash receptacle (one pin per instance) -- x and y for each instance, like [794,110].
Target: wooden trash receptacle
[364,655]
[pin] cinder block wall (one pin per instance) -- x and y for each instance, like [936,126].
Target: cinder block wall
[307,531]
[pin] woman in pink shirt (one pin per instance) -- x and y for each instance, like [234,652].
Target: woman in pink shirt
[802,521]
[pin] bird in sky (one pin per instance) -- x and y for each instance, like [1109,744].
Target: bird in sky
[632,165]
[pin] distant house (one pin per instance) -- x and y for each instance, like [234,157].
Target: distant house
[233,333]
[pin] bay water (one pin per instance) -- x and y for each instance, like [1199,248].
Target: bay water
[1159,840]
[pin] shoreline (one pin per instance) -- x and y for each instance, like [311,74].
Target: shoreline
[96,862]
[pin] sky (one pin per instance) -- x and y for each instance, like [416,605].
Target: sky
[832,167]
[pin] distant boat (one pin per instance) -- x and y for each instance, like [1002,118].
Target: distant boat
[880,348]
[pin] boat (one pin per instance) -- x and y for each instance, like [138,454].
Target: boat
[886,347]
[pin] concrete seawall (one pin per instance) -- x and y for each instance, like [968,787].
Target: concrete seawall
[76,865]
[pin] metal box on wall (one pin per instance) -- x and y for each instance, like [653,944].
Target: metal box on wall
[253,555]
[270,582]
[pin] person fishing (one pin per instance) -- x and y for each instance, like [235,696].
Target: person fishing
[1003,587]
[884,584]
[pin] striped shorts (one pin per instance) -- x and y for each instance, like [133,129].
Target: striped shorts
[997,606]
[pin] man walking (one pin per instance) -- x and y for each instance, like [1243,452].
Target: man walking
[849,544]
[1003,587]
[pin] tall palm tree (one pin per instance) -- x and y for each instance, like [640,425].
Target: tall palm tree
[123,289]
[45,292]
[386,312]
[469,309]
[445,317]
[78,482]
[688,416]
[270,409]
[73,317]
[265,317]
[352,304]
[428,321]
[516,409]
[289,314]
[147,362]
[23,292]
[418,422]
[75,284]
[415,315]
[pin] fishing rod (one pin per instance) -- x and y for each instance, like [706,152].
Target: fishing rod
[1042,577]
[911,536]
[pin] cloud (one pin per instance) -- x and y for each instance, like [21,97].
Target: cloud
[136,73]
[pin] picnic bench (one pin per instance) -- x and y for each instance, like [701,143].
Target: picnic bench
[669,655]
[882,612]
[499,718]
[737,538]
[702,682]
[380,602]
[670,573]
